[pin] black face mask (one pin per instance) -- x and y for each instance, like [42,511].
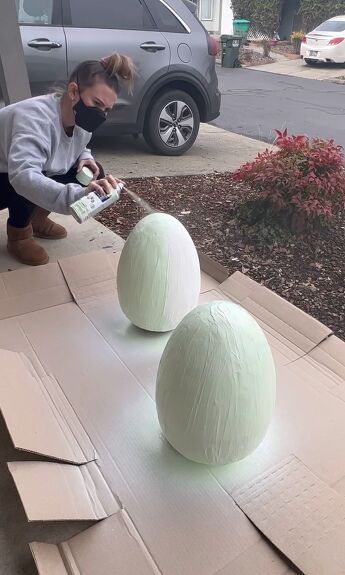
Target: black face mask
[88,118]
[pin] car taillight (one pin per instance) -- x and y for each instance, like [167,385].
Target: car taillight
[335,41]
[212,45]
[304,40]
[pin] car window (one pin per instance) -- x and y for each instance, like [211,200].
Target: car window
[35,12]
[166,21]
[331,26]
[128,15]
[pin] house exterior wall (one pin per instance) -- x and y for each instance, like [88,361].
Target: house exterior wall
[227,17]
[221,17]
[211,24]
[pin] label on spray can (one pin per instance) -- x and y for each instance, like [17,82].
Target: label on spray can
[92,204]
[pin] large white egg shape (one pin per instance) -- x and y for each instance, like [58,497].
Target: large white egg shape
[158,277]
[216,384]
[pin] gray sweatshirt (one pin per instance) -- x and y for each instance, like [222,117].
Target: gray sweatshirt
[32,141]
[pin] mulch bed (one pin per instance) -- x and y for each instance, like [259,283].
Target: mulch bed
[308,271]
[250,58]
[285,49]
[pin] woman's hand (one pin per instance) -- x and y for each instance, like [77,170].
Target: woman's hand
[91,164]
[101,187]
[113,181]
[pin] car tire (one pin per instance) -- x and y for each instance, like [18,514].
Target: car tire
[172,123]
[310,62]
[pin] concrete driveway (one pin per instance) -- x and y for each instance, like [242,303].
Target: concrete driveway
[299,69]
[215,150]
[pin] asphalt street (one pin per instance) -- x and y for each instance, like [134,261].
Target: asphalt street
[256,103]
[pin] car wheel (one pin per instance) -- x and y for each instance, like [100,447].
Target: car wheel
[172,123]
[310,62]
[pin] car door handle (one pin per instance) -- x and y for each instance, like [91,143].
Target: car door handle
[43,44]
[152,46]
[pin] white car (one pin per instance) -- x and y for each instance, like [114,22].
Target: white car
[326,43]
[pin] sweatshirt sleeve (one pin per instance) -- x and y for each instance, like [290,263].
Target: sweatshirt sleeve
[86,155]
[26,159]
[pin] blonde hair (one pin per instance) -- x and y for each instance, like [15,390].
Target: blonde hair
[120,66]
[113,70]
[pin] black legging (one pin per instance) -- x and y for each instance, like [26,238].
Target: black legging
[20,209]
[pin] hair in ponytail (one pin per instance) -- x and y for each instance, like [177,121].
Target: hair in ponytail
[119,66]
[113,70]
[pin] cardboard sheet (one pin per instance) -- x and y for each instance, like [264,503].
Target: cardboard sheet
[211,270]
[110,547]
[307,415]
[95,278]
[57,492]
[42,421]
[293,325]
[300,514]
[27,290]
[184,514]
[331,354]
[260,559]
[163,493]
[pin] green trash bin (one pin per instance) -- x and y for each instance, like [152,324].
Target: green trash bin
[241,28]
[231,51]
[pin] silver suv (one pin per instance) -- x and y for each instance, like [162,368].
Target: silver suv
[176,85]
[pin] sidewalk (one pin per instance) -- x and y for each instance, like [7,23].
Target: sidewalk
[299,69]
[81,238]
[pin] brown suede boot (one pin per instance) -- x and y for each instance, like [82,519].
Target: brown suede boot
[23,247]
[44,227]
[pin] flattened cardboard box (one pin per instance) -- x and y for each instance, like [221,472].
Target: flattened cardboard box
[72,360]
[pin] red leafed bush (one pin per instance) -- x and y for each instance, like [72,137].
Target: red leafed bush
[304,180]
